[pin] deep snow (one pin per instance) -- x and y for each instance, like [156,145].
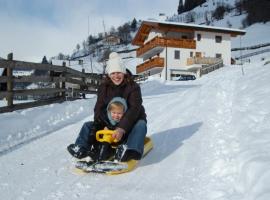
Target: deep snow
[211,141]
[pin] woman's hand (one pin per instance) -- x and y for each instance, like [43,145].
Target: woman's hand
[118,134]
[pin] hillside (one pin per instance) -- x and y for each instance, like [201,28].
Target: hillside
[210,138]
[256,34]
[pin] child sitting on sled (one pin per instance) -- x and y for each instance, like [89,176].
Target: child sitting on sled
[115,111]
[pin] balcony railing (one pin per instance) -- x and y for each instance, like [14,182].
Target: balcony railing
[163,42]
[150,64]
[203,60]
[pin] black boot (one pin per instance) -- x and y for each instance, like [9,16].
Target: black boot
[77,151]
[131,155]
[106,151]
[123,154]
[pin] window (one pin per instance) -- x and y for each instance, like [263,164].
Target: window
[218,55]
[198,54]
[177,54]
[191,54]
[199,37]
[218,39]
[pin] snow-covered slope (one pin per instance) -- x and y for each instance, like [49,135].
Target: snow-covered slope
[256,34]
[211,141]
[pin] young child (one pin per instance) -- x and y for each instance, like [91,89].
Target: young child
[115,111]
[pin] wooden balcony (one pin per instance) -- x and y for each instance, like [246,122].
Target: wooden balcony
[163,42]
[156,62]
[203,60]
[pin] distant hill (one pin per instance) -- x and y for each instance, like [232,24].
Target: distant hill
[94,50]
[210,11]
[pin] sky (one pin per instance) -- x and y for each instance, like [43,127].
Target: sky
[32,29]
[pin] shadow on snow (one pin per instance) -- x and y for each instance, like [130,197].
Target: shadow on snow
[165,89]
[166,142]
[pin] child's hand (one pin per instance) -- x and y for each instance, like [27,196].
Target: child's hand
[118,134]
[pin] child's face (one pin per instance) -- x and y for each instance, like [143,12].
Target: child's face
[117,113]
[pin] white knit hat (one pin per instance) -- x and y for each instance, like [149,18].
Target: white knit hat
[115,64]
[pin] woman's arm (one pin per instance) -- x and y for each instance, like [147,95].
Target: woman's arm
[100,104]
[134,101]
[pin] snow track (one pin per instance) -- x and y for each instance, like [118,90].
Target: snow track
[206,146]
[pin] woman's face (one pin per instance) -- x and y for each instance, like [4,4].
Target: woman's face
[117,77]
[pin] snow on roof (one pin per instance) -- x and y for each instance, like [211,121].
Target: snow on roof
[23,72]
[196,26]
[148,25]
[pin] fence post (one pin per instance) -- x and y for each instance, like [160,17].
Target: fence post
[63,85]
[10,82]
[83,87]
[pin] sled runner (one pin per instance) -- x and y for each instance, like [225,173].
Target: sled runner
[110,167]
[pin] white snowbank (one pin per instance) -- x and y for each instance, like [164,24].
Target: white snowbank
[211,141]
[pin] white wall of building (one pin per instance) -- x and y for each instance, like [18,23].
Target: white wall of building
[173,63]
[210,48]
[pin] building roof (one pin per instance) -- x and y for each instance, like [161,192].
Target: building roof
[148,25]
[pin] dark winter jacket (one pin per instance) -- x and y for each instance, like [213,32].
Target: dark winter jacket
[131,92]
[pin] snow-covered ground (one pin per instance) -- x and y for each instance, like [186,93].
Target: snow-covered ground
[211,137]
[211,141]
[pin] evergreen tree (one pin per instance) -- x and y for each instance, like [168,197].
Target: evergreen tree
[44,60]
[39,72]
[190,4]
[91,40]
[219,13]
[78,47]
[207,21]
[180,8]
[190,17]
[239,7]
[61,56]
[84,46]
[100,36]
[105,55]
[124,33]
[133,25]
[258,11]
[112,31]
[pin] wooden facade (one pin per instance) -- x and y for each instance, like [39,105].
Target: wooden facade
[166,42]
[156,62]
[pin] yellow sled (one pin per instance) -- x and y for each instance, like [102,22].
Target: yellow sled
[111,167]
[132,164]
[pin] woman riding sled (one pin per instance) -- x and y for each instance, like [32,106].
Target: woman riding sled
[130,130]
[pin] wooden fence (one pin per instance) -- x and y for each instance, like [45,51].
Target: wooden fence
[253,54]
[209,68]
[59,83]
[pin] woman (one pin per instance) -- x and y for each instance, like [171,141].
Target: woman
[130,130]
